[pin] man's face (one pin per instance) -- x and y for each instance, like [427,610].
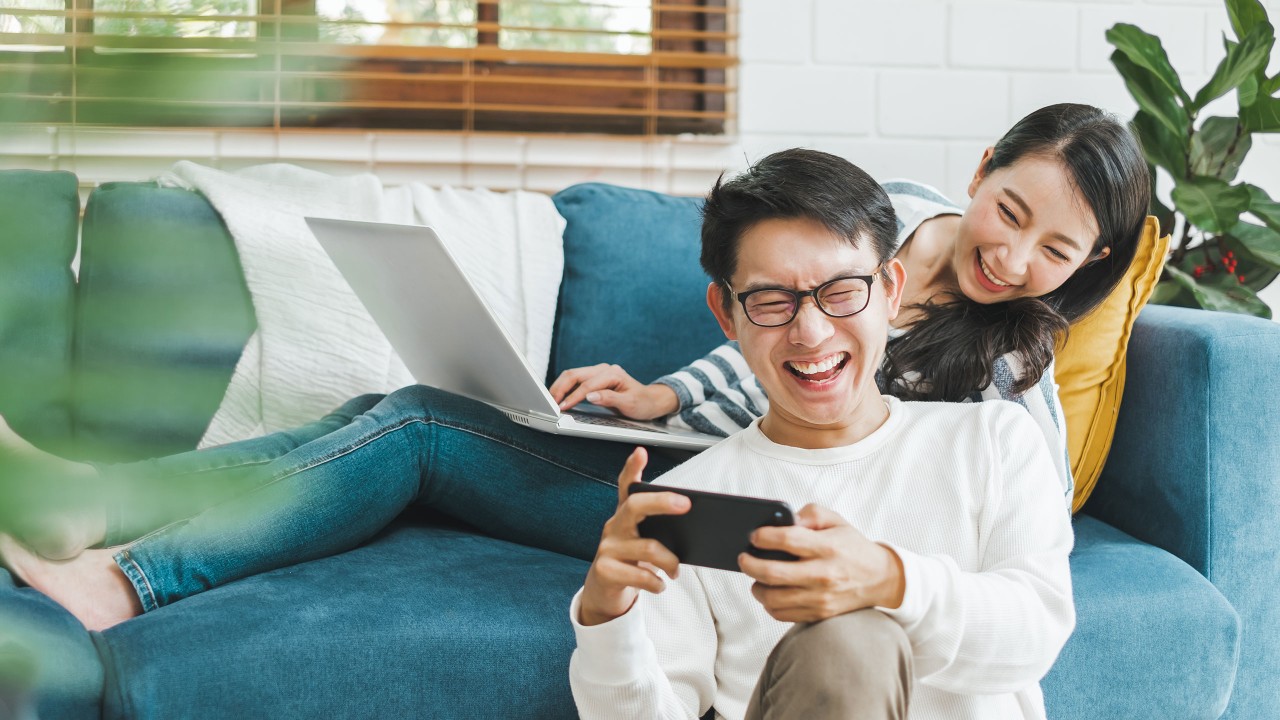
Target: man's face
[818,371]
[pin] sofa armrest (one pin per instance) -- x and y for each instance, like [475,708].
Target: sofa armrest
[1195,466]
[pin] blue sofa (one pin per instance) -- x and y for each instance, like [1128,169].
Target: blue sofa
[1177,556]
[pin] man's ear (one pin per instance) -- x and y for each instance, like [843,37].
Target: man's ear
[898,273]
[715,301]
[981,172]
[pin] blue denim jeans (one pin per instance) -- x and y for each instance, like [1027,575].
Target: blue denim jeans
[294,496]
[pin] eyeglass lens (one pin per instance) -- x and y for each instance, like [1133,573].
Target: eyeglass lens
[839,298]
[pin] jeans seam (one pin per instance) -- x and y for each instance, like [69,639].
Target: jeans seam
[527,450]
[131,570]
[434,421]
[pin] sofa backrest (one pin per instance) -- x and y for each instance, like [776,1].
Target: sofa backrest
[39,212]
[161,318]
[633,292]
[134,361]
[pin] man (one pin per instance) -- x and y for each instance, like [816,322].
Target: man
[932,543]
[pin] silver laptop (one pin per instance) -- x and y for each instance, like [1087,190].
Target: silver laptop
[448,338]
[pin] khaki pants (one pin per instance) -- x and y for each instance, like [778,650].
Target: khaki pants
[855,666]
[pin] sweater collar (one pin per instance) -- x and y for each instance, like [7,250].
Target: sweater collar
[757,442]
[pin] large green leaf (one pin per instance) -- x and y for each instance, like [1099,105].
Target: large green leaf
[1262,116]
[1144,50]
[1223,293]
[1209,203]
[1246,15]
[1269,87]
[1241,62]
[1249,89]
[1218,148]
[1165,293]
[1153,97]
[1159,145]
[1261,205]
[1262,242]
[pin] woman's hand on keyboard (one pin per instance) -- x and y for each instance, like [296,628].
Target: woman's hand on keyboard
[610,386]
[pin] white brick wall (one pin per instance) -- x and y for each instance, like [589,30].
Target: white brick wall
[905,88]
[951,75]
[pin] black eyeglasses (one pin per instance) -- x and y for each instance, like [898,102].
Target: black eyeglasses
[774,307]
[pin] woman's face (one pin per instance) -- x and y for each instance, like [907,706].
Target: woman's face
[1026,231]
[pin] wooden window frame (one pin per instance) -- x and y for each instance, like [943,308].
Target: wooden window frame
[285,79]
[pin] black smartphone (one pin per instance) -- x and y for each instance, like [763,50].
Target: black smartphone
[717,527]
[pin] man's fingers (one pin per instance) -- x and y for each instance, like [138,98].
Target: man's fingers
[780,573]
[782,602]
[646,504]
[816,517]
[631,472]
[795,539]
[623,574]
[647,550]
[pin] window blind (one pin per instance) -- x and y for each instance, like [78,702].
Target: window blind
[630,67]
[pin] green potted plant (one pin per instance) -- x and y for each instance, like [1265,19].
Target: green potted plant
[1226,234]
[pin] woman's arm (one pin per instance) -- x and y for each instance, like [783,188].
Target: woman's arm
[718,395]
[1042,402]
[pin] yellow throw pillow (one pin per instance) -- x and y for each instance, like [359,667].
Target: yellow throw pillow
[1091,365]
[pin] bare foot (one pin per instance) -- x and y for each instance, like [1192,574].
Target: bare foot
[53,504]
[91,587]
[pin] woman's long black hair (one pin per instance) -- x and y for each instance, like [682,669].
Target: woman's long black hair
[951,351]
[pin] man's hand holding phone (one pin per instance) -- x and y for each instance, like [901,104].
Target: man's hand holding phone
[624,561]
[839,570]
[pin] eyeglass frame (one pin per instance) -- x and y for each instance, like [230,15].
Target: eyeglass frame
[800,295]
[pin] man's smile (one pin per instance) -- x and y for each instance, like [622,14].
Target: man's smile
[820,370]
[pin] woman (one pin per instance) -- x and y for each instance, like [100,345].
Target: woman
[1057,208]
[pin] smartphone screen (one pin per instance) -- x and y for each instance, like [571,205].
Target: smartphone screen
[717,527]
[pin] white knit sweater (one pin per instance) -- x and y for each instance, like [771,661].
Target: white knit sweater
[966,494]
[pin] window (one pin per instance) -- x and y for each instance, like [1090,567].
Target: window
[632,67]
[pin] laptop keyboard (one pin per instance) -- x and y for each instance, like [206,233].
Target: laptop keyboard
[591,419]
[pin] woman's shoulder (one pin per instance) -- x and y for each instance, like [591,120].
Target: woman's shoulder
[901,188]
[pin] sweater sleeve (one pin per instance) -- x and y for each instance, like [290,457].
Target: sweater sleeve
[718,395]
[656,662]
[998,629]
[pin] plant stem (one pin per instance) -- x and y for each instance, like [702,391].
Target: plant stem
[1180,249]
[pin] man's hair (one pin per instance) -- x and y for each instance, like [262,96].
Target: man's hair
[795,184]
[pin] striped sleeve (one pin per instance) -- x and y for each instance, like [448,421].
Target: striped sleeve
[718,394]
[1045,408]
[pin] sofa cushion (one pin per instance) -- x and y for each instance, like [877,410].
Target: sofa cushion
[632,293]
[1091,365]
[1153,639]
[425,621]
[162,317]
[39,214]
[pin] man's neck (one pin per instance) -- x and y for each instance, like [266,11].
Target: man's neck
[783,429]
